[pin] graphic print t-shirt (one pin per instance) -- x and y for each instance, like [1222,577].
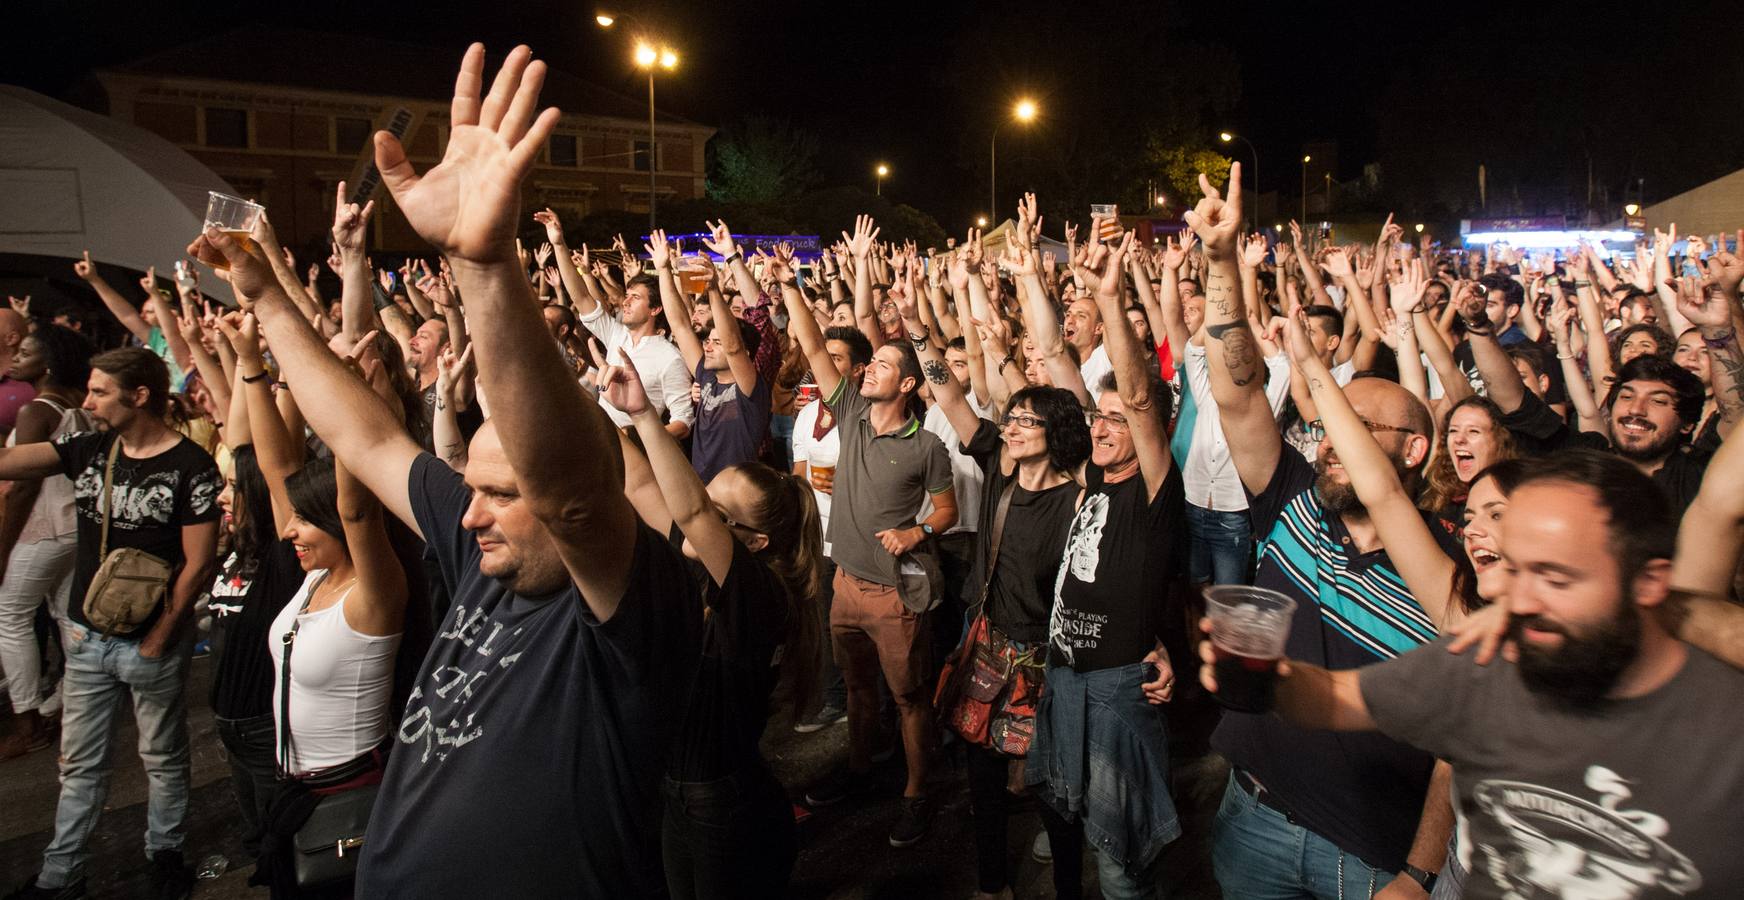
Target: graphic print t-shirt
[151,499]
[730,424]
[528,761]
[1638,800]
[1110,591]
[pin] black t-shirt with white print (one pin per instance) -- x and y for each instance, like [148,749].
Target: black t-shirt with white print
[153,498]
[1113,586]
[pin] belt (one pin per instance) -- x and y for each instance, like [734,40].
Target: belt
[1266,798]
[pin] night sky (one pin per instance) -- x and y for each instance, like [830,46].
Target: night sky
[1427,91]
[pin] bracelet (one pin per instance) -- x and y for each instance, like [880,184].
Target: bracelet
[1560,356]
[1007,361]
[920,340]
[1474,328]
[1721,342]
[732,257]
[1419,309]
[255,378]
[1582,284]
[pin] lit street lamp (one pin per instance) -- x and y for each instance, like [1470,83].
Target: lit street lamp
[881,171]
[647,57]
[1254,207]
[980,221]
[1304,219]
[1024,113]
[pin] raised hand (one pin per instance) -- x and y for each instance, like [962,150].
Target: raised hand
[864,236]
[467,206]
[720,240]
[658,250]
[553,225]
[1019,261]
[148,281]
[20,306]
[907,304]
[1216,220]
[1253,251]
[1174,255]
[349,220]
[1701,302]
[1338,263]
[623,388]
[543,254]
[1406,294]
[1296,341]
[1725,267]
[1028,222]
[1562,314]
[249,274]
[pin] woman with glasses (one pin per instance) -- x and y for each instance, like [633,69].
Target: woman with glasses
[728,830]
[1028,498]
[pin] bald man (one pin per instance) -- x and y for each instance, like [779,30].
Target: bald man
[1349,804]
[14,394]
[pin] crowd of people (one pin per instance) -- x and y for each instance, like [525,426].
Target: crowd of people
[510,561]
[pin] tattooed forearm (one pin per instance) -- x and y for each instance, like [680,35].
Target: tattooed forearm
[1240,356]
[1223,294]
[1727,362]
[935,371]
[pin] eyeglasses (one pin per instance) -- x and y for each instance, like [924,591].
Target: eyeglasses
[1317,429]
[722,512]
[1115,423]
[1024,419]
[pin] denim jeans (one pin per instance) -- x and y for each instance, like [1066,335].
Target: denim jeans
[1259,854]
[728,838]
[100,672]
[250,746]
[36,572]
[781,442]
[1220,543]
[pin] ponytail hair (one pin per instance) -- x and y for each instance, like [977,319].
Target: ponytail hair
[787,513]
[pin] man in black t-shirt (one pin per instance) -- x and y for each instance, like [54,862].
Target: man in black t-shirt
[529,757]
[163,500]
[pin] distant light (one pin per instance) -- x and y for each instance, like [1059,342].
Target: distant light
[604,20]
[1306,158]
[1547,240]
[1025,110]
[1419,227]
[1162,200]
[883,170]
[646,55]
[1630,209]
[668,59]
[980,221]
[1225,136]
[1278,228]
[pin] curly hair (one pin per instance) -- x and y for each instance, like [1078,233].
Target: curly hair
[1064,423]
[1445,488]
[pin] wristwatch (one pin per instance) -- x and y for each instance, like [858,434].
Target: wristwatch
[926,529]
[1425,880]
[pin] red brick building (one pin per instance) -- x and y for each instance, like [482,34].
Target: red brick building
[283,115]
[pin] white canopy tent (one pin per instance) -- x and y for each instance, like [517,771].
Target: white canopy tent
[72,180]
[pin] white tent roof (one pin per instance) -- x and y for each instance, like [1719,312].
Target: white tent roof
[72,180]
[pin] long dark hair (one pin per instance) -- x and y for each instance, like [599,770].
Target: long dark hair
[251,507]
[1508,474]
[1067,430]
[314,494]
[787,514]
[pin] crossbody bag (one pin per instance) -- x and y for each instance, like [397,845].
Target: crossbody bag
[130,582]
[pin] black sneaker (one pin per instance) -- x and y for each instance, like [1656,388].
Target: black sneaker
[29,891]
[171,879]
[829,715]
[911,826]
[842,785]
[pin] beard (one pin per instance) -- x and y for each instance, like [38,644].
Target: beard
[1658,444]
[1579,674]
[1340,499]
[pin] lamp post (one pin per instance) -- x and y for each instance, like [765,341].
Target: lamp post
[1024,112]
[881,171]
[1305,159]
[1253,208]
[649,58]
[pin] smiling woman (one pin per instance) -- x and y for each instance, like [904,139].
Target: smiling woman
[1473,439]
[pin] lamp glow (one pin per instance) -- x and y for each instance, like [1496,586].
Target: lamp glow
[1225,136]
[883,170]
[1631,209]
[1025,110]
[1419,227]
[604,21]
[646,56]
[980,221]
[1306,158]
[668,59]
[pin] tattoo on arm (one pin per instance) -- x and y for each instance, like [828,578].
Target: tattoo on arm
[1729,360]
[1239,355]
[936,371]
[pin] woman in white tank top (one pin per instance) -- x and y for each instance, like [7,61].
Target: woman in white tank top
[342,629]
[39,540]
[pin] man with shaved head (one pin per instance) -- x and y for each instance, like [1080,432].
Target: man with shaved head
[13,393]
[1348,806]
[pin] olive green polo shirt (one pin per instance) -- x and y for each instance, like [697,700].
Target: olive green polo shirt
[881,480]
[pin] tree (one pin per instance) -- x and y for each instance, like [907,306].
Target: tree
[761,160]
[1178,167]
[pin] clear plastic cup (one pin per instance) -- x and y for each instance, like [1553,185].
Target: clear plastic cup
[233,216]
[1249,627]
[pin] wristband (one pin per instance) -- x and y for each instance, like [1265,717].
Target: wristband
[1720,343]
[1476,328]
[732,257]
[1425,880]
[1007,361]
[255,378]
[920,340]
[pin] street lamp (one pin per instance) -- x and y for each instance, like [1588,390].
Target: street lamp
[1254,207]
[881,171]
[1305,159]
[1630,209]
[647,58]
[1419,227]
[1024,113]
[980,221]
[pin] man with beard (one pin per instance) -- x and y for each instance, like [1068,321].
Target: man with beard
[1349,805]
[1566,784]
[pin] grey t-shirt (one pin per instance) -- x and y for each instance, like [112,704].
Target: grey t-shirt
[881,480]
[1644,799]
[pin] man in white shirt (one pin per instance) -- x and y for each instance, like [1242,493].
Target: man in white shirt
[1219,535]
[1083,330]
[957,544]
[632,334]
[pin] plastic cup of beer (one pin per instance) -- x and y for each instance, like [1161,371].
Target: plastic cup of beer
[695,279]
[1249,626]
[233,216]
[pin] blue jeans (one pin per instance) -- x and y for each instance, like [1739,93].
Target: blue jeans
[1258,854]
[1219,545]
[781,441]
[100,672]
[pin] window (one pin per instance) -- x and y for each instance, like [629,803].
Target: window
[226,127]
[352,135]
[563,149]
[642,153]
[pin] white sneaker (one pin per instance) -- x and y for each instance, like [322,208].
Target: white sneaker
[1041,849]
[51,705]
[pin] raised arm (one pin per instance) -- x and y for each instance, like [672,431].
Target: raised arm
[280,456]
[1146,418]
[380,607]
[117,305]
[673,300]
[1580,392]
[803,326]
[1238,375]
[1712,307]
[946,391]
[1501,379]
[356,296]
[860,248]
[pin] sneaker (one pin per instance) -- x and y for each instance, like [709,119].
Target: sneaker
[171,879]
[838,787]
[829,715]
[203,648]
[1042,849]
[29,891]
[911,826]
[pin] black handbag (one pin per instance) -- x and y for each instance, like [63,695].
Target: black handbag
[326,846]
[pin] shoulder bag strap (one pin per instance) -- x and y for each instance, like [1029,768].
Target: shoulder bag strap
[999,514]
[290,640]
[108,476]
